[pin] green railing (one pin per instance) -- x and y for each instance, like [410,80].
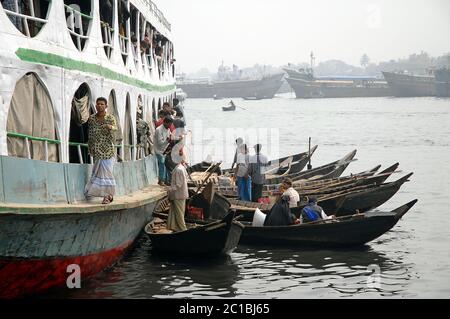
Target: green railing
[47,141]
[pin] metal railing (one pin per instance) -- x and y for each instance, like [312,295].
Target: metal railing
[75,24]
[20,16]
[107,33]
[29,138]
[158,14]
[123,40]
[133,148]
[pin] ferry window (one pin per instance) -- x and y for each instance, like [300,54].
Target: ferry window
[29,16]
[29,123]
[148,46]
[112,109]
[106,25]
[128,132]
[159,104]
[135,37]
[78,19]
[124,34]
[82,108]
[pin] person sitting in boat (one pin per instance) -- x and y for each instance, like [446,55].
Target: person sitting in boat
[280,214]
[232,103]
[287,190]
[313,212]
[178,194]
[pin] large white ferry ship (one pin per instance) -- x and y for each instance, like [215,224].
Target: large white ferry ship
[56,58]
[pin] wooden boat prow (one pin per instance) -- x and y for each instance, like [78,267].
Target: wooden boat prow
[215,238]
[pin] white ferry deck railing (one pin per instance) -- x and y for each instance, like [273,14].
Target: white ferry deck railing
[76,22]
[123,44]
[107,32]
[79,146]
[25,17]
[154,9]
[149,61]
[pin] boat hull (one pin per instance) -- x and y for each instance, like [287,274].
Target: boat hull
[311,89]
[35,249]
[354,231]
[403,85]
[265,88]
[217,238]
[357,232]
[442,82]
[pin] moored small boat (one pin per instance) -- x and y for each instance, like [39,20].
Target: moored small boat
[215,238]
[349,231]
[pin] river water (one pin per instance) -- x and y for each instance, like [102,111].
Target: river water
[412,260]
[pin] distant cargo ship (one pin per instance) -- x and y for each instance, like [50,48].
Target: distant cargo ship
[307,86]
[406,85]
[442,82]
[263,88]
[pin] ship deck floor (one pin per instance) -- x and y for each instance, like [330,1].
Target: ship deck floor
[142,197]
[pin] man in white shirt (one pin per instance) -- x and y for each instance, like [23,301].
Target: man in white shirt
[178,194]
[294,197]
[162,139]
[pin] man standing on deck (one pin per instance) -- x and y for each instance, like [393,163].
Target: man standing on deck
[162,139]
[256,170]
[178,194]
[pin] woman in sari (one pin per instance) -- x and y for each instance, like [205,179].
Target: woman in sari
[101,147]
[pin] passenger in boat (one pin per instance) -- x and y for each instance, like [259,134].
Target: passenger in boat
[313,212]
[287,190]
[101,148]
[232,103]
[244,181]
[256,171]
[178,194]
[280,214]
[162,139]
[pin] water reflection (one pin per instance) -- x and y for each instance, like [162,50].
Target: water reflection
[286,273]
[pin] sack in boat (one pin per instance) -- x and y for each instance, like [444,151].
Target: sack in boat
[195,213]
[258,218]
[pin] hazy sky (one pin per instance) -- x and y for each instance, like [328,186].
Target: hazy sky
[245,32]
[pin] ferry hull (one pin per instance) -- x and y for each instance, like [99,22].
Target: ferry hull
[443,83]
[403,85]
[265,88]
[311,89]
[36,250]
